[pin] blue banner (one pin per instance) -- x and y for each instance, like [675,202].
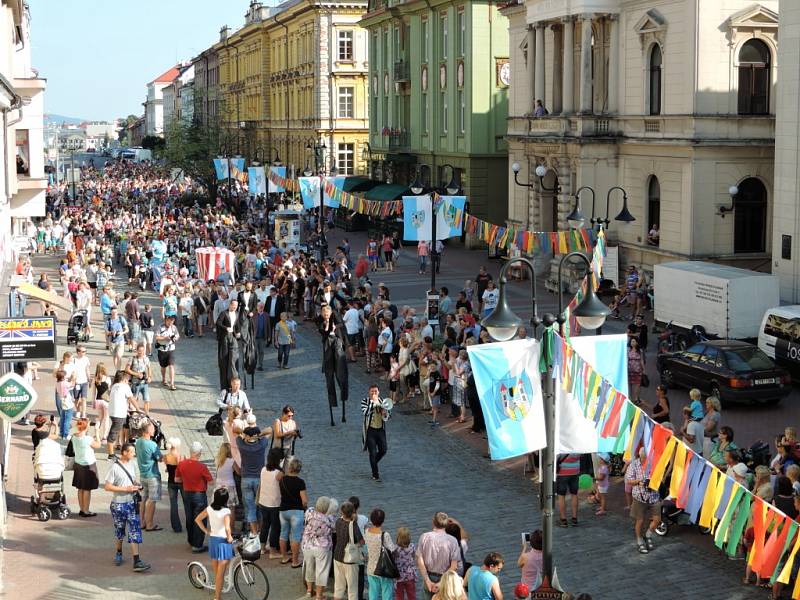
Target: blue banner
[337,182]
[449,212]
[510,390]
[221,167]
[416,218]
[309,191]
[274,188]
[256,181]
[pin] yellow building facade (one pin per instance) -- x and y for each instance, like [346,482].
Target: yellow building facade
[296,75]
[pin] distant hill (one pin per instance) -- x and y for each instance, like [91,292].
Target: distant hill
[59,119]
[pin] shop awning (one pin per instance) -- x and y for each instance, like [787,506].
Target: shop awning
[387,191]
[359,183]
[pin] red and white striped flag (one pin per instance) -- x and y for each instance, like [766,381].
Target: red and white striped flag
[212,262]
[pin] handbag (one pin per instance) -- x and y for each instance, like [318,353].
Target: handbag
[386,566]
[352,551]
[645,380]
[69,457]
[372,344]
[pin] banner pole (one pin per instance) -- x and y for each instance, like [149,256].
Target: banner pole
[548,466]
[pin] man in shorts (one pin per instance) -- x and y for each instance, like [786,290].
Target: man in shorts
[82,376]
[116,330]
[646,502]
[120,399]
[139,370]
[166,336]
[147,457]
[121,481]
[568,470]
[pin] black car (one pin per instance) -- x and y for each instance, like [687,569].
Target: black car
[729,369]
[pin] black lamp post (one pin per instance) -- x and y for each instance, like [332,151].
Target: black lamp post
[502,324]
[624,215]
[72,176]
[277,160]
[225,154]
[319,151]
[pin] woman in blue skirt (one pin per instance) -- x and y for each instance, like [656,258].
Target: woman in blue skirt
[220,540]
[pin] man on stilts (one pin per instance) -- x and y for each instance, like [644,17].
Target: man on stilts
[334,357]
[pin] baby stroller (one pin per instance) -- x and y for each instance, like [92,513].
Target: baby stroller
[77,327]
[48,482]
[137,422]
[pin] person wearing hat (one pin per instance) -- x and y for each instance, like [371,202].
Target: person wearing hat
[252,444]
[194,478]
[166,336]
[334,357]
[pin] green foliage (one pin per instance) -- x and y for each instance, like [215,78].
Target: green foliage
[192,147]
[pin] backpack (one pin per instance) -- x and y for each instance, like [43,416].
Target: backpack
[214,425]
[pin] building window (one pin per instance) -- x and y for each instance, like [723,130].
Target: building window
[750,217]
[653,210]
[462,112]
[462,33]
[443,40]
[444,114]
[655,80]
[345,159]
[425,40]
[346,102]
[346,44]
[754,78]
[425,111]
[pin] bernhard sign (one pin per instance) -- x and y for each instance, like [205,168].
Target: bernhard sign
[27,339]
[16,397]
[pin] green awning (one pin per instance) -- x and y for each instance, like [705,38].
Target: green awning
[359,183]
[387,191]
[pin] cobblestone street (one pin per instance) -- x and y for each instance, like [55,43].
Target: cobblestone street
[425,471]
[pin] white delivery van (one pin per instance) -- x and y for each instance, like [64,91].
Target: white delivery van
[727,301]
[779,336]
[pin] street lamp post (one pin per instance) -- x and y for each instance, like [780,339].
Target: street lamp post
[366,155]
[502,324]
[624,215]
[319,162]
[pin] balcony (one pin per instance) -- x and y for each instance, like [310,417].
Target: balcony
[399,141]
[402,71]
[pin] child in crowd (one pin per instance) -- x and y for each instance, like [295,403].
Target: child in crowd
[696,406]
[406,565]
[435,393]
[601,482]
[394,377]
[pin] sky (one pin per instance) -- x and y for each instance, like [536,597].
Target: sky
[99,55]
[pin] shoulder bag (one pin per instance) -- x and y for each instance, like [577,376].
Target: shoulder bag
[69,457]
[386,566]
[352,551]
[137,497]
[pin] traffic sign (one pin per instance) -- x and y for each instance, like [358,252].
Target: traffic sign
[16,397]
[27,339]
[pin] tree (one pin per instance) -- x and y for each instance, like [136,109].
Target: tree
[155,143]
[124,124]
[192,147]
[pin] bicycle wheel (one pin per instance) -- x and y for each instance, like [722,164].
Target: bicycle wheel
[197,575]
[250,581]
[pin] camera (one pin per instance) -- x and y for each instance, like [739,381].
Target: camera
[646,482]
[299,435]
[526,538]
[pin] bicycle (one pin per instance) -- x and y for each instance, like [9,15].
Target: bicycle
[246,577]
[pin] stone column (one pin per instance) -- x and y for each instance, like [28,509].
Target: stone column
[531,68]
[567,86]
[586,64]
[613,66]
[539,83]
[557,63]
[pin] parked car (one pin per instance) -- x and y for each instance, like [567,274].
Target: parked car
[729,369]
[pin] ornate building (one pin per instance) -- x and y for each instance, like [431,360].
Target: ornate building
[670,101]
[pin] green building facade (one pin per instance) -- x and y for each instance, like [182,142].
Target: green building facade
[439,77]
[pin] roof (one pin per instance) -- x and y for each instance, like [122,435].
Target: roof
[167,76]
[387,191]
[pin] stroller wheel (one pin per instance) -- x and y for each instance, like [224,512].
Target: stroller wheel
[44,514]
[64,513]
[33,505]
[662,529]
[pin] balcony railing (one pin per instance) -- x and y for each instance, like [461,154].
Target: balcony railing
[402,71]
[398,141]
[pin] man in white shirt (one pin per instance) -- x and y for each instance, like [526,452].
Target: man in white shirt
[233,397]
[82,376]
[119,400]
[352,322]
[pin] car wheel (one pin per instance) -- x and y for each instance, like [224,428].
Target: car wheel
[667,378]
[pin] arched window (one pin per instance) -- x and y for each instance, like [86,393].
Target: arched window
[653,210]
[750,217]
[655,80]
[754,78]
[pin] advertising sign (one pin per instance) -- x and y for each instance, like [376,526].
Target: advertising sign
[27,339]
[432,309]
[16,397]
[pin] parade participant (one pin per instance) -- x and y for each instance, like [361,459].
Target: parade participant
[228,334]
[121,480]
[373,431]
[284,340]
[334,357]
[166,336]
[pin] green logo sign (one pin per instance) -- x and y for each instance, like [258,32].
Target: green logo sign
[16,397]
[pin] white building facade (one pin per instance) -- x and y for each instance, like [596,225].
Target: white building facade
[671,100]
[154,105]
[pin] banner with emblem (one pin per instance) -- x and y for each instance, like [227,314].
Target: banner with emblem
[509,386]
[256,181]
[275,188]
[309,191]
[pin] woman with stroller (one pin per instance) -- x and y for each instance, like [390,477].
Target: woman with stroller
[84,477]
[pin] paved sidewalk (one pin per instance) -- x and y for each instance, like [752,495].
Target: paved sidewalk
[425,471]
